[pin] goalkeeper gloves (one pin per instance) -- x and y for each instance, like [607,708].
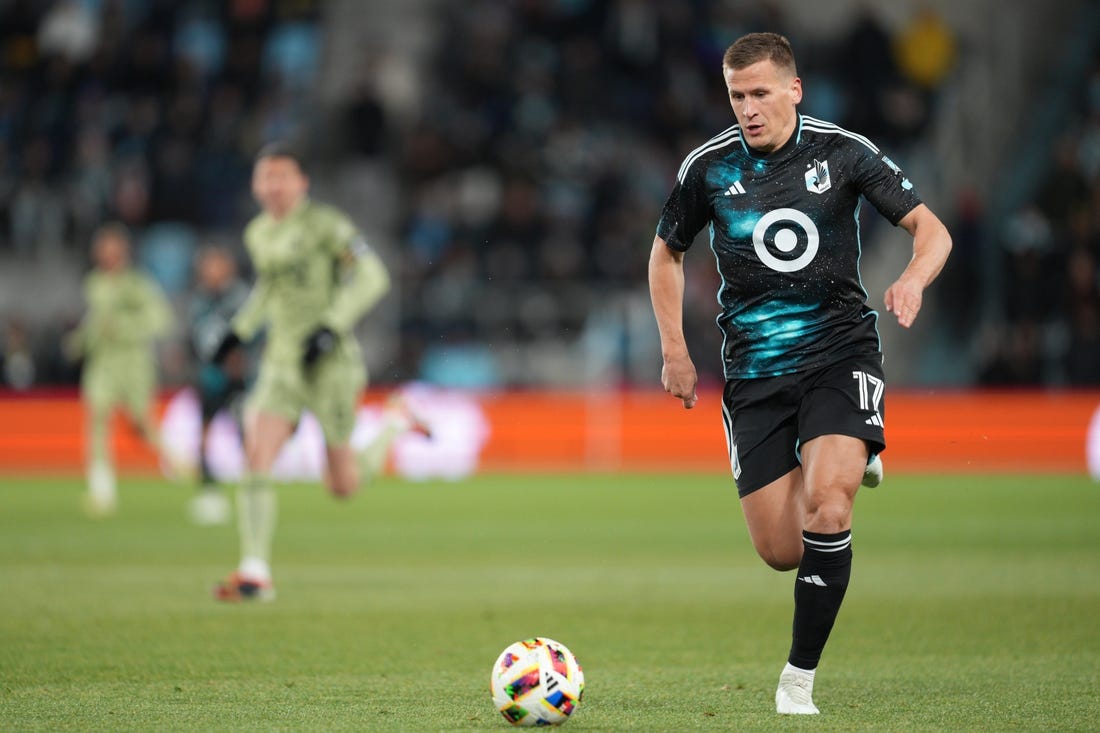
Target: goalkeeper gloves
[229,342]
[318,343]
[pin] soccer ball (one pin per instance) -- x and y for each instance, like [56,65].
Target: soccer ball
[537,682]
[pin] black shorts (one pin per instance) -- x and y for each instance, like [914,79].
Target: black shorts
[218,390]
[768,419]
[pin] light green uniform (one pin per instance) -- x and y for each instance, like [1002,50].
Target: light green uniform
[126,314]
[312,269]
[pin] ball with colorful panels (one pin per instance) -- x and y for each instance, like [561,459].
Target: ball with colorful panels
[537,682]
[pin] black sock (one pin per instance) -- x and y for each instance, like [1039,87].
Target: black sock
[818,592]
[204,468]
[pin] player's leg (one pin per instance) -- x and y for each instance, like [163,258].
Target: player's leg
[210,506]
[335,387]
[774,515]
[101,498]
[833,466]
[760,418]
[342,474]
[136,388]
[270,420]
[841,420]
[398,418]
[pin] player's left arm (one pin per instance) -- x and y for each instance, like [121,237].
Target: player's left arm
[363,280]
[931,246]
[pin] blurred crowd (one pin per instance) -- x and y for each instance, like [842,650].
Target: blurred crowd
[145,112]
[551,138]
[527,186]
[1047,326]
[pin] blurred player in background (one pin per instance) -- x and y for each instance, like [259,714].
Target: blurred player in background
[219,294]
[315,278]
[126,314]
[804,381]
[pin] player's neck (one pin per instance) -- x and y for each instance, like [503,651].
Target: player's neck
[788,139]
[288,212]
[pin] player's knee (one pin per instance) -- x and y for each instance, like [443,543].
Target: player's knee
[780,557]
[829,516]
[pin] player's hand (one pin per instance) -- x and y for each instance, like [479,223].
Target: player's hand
[679,378]
[904,299]
[318,343]
[229,342]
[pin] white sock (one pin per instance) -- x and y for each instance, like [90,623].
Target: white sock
[806,672]
[372,458]
[255,568]
[257,511]
[101,481]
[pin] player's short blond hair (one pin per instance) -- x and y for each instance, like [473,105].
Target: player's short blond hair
[755,47]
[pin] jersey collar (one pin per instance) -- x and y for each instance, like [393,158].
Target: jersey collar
[784,151]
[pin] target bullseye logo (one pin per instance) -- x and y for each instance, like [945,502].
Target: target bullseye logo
[793,227]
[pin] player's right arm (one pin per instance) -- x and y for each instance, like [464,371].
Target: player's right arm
[666,290]
[244,326]
[250,318]
[931,246]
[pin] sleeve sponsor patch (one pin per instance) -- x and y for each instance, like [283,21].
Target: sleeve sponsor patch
[359,247]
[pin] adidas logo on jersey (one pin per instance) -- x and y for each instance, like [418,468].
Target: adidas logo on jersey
[735,189]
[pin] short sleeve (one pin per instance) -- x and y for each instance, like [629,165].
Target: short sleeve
[883,183]
[687,209]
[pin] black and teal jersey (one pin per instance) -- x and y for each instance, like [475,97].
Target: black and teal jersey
[210,314]
[784,228]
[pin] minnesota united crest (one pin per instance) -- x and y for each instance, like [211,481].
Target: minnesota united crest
[817,178]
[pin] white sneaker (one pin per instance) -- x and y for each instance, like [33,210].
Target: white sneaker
[872,475]
[175,466]
[794,696]
[99,506]
[210,508]
[101,498]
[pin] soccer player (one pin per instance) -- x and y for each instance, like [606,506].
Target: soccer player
[803,401]
[315,278]
[219,294]
[126,313]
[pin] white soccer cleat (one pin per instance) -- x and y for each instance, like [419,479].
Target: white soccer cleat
[175,466]
[101,498]
[872,475]
[794,696]
[209,508]
[99,506]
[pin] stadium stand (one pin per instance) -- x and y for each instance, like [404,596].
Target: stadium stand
[509,159]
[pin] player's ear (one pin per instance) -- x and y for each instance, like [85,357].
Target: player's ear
[796,90]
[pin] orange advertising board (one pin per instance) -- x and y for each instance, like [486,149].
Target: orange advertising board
[649,431]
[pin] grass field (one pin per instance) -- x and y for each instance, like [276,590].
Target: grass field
[974,605]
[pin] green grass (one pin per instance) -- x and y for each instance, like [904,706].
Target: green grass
[974,605]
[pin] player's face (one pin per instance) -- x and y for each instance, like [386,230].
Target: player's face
[278,185]
[111,253]
[763,97]
[216,271]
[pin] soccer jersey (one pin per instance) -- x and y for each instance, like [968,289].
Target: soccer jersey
[210,314]
[313,269]
[784,228]
[126,313]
